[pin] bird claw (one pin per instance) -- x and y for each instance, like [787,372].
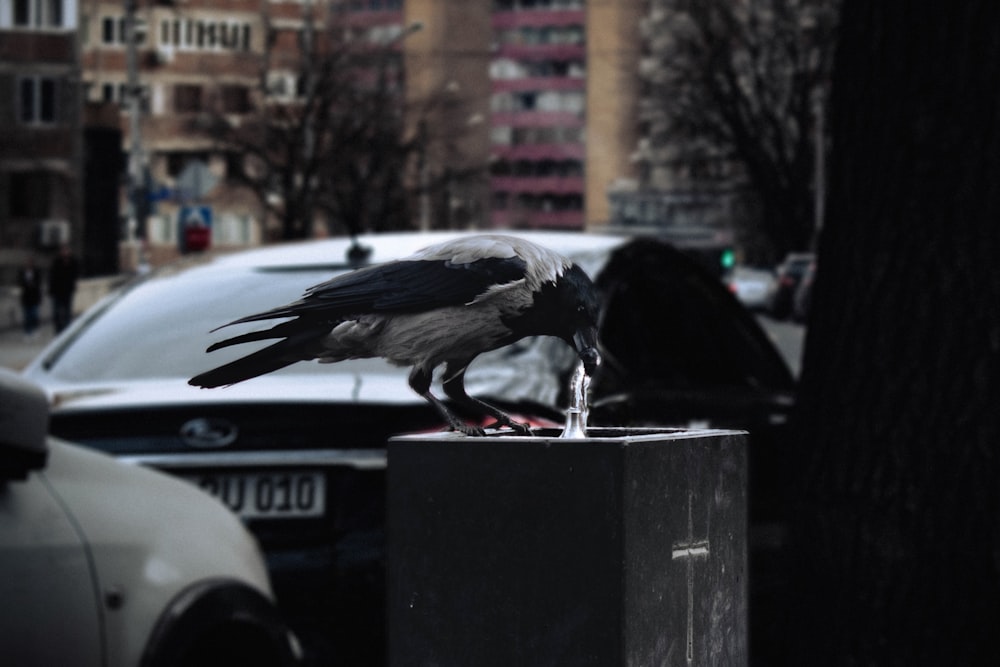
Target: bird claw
[479,432]
[468,429]
[518,427]
[521,428]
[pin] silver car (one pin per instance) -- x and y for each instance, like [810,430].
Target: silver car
[108,564]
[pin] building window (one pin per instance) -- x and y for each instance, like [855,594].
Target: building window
[234,99]
[117,93]
[352,6]
[516,5]
[501,135]
[281,85]
[29,195]
[37,100]
[542,35]
[187,98]
[114,32]
[22,13]
[192,34]
[233,230]
[39,13]
[109,31]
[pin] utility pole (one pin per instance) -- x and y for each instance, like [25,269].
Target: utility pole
[309,130]
[136,162]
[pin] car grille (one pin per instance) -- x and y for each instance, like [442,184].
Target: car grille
[270,427]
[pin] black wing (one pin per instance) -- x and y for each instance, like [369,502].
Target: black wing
[398,287]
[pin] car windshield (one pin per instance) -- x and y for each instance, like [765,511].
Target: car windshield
[160,326]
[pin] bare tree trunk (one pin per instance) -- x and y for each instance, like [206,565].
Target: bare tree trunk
[896,537]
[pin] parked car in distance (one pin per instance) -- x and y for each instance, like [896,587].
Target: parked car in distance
[103,563]
[299,454]
[751,286]
[788,275]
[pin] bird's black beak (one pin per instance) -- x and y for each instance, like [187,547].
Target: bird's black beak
[585,344]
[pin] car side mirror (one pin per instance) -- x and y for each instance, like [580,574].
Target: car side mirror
[24,426]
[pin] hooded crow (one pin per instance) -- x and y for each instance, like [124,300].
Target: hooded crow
[443,305]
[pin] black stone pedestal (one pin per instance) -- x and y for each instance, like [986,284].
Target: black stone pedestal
[627,547]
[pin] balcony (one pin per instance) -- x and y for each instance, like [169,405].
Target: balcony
[539,84]
[37,47]
[538,185]
[539,152]
[537,119]
[522,219]
[542,51]
[539,18]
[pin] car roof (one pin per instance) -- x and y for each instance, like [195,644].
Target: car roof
[390,246]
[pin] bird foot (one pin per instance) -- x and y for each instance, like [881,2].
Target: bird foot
[479,432]
[518,427]
[468,429]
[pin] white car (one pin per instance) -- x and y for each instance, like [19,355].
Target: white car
[751,286]
[103,563]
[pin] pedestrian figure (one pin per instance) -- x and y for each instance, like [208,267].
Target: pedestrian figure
[62,285]
[29,281]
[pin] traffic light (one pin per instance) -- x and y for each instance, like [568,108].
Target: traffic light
[727,259]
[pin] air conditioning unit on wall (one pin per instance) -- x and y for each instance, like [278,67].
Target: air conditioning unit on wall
[164,55]
[53,233]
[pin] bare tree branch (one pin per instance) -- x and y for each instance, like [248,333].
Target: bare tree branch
[738,81]
[326,139]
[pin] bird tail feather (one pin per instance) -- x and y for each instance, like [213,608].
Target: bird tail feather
[244,338]
[289,310]
[264,361]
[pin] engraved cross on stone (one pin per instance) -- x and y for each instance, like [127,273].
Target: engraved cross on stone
[689,550]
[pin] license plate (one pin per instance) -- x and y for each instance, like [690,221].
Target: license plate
[267,495]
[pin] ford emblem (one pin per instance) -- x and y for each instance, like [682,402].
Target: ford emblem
[205,433]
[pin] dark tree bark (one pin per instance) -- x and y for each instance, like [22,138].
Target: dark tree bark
[896,537]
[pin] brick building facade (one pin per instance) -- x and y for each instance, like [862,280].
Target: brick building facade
[41,140]
[541,127]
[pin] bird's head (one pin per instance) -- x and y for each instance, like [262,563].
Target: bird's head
[569,309]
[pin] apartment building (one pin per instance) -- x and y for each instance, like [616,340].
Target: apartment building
[560,87]
[40,129]
[190,57]
[525,108]
[538,104]
[195,59]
